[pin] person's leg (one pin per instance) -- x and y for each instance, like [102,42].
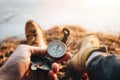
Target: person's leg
[103,67]
[91,59]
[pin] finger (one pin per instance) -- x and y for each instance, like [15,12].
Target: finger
[52,75]
[67,56]
[38,50]
[55,67]
[53,72]
[29,50]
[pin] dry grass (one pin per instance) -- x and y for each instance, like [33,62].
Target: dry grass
[112,42]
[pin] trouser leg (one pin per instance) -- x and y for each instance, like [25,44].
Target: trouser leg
[104,67]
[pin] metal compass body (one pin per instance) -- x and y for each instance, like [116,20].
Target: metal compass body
[55,49]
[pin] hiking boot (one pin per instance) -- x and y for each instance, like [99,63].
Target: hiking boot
[88,45]
[34,34]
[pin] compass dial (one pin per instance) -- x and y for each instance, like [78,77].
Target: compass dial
[56,49]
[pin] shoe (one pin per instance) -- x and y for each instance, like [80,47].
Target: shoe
[88,45]
[34,34]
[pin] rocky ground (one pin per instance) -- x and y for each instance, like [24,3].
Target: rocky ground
[112,43]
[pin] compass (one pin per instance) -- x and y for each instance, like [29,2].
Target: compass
[56,49]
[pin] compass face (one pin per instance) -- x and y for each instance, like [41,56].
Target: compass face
[56,49]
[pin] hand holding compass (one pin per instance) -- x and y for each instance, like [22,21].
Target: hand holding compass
[55,50]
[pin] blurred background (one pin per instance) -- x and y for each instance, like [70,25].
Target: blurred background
[94,15]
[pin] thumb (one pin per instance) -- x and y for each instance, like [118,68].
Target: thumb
[37,50]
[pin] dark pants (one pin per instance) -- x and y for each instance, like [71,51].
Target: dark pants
[104,68]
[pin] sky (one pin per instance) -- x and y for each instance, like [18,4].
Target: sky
[94,15]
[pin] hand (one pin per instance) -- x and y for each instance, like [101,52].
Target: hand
[18,65]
